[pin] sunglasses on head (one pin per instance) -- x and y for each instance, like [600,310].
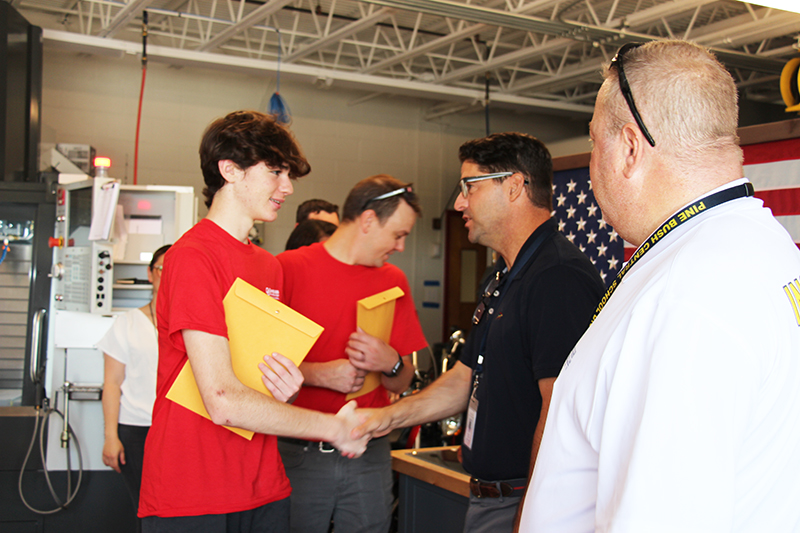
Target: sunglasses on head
[625,87]
[397,192]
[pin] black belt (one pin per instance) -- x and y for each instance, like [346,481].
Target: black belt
[497,489]
[324,447]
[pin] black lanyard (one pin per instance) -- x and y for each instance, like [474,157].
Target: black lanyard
[518,265]
[684,215]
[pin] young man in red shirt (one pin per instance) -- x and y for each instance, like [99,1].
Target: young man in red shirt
[198,475]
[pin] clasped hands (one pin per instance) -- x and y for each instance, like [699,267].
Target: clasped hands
[365,354]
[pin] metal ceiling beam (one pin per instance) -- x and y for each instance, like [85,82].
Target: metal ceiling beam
[734,59]
[257,15]
[753,31]
[758,81]
[91,44]
[341,33]
[782,51]
[641,19]
[663,10]
[422,49]
[453,37]
[498,17]
[569,75]
[124,16]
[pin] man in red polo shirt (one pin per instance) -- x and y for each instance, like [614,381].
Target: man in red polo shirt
[324,281]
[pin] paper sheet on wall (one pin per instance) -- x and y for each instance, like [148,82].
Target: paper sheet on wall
[104,208]
[257,325]
[375,315]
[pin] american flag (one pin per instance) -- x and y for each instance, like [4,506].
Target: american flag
[774,169]
[580,220]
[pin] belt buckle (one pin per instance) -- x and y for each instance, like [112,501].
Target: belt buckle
[483,490]
[325,447]
[475,487]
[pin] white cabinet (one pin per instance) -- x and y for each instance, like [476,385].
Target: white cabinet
[154,216]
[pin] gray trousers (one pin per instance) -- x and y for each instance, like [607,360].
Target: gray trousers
[491,515]
[355,493]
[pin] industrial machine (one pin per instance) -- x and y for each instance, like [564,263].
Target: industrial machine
[85,248]
[104,237]
[70,256]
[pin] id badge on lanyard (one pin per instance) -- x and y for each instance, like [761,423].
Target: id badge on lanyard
[472,410]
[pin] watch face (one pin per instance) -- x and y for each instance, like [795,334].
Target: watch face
[398,366]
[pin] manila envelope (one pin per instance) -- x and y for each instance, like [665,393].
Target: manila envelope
[375,315]
[257,325]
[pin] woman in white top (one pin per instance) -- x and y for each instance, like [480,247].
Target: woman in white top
[129,389]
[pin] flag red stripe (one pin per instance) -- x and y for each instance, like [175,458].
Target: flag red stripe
[782,202]
[770,152]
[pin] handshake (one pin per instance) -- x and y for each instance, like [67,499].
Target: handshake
[358,426]
[350,429]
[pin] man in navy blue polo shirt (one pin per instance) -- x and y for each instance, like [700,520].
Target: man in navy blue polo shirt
[533,310]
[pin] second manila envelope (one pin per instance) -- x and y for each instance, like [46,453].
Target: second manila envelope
[375,315]
[258,325]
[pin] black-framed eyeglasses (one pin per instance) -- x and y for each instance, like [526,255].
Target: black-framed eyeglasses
[490,289]
[466,181]
[625,87]
[397,192]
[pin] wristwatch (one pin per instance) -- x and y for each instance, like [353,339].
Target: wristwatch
[398,366]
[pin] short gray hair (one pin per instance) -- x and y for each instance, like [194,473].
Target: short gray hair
[687,99]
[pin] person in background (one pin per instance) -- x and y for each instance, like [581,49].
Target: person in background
[130,356]
[308,232]
[199,475]
[318,210]
[324,282]
[678,409]
[532,311]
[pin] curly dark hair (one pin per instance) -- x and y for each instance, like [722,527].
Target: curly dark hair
[515,152]
[248,138]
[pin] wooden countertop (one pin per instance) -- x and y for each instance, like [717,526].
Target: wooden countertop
[17,411]
[409,463]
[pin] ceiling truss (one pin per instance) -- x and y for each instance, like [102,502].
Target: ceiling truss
[539,55]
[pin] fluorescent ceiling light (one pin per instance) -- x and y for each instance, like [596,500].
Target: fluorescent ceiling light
[786,5]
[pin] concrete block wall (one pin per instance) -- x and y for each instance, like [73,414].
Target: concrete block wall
[93,99]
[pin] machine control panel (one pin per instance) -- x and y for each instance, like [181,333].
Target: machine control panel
[82,268]
[85,284]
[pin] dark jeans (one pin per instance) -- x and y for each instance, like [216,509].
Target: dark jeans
[355,493]
[132,438]
[270,518]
